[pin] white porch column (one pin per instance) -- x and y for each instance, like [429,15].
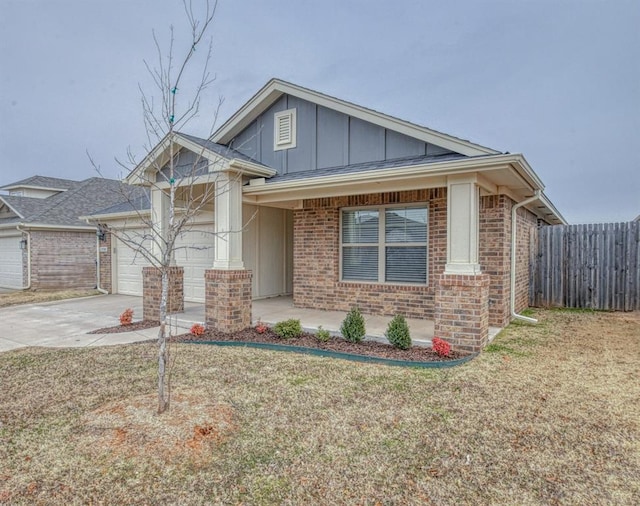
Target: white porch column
[159,219]
[463,199]
[228,222]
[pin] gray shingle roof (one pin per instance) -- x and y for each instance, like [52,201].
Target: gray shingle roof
[65,208]
[368,166]
[220,149]
[44,182]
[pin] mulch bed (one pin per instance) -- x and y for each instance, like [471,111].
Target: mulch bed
[132,327]
[365,348]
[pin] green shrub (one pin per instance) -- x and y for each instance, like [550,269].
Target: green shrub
[323,335]
[398,333]
[288,329]
[352,327]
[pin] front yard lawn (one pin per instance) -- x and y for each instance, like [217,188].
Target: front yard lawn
[34,296]
[546,415]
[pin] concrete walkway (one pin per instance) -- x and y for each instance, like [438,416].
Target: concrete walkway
[66,323]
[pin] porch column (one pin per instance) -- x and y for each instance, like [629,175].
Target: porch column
[152,276]
[159,219]
[228,284]
[462,291]
[463,196]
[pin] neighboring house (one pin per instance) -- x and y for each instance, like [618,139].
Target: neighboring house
[43,243]
[343,206]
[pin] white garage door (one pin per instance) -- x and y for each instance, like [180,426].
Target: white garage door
[10,262]
[194,252]
[129,266]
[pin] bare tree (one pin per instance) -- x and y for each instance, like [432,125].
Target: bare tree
[186,188]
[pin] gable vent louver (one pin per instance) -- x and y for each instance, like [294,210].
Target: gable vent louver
[285,129]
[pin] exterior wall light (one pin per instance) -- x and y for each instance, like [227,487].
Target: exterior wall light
[23,244]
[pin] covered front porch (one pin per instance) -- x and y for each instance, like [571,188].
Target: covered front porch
[276,309]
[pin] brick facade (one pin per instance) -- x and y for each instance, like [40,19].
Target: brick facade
[63,260]
[228,299]
[316,257]
[152,292]
[462,311]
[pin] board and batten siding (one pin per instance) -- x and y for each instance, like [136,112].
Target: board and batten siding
[325,139]
[595,266]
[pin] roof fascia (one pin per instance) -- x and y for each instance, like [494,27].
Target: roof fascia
[275,88]
[115,216]
[13,209]
[33,187]
[48,226]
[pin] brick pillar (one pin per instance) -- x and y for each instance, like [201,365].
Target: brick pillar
[228,299]
[462,310]
[152,292]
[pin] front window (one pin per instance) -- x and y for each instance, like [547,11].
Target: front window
[385,244]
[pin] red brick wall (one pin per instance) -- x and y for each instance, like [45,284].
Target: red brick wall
[494,250]
[152,292]
[316,255]
[526,231]
[317,261]
[62,260]
[461,315]
[228,299]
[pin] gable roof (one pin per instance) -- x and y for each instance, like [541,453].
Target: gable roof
[43,182]
[206,149]
[275,88]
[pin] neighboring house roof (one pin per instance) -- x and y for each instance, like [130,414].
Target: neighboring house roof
[44,182]
[275,88]
[65,209]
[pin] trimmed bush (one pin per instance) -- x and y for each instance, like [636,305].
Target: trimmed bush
[197,329]
[288,329]
[352,328]
[398,333]
[323,335]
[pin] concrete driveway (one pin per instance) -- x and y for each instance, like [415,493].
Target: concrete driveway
[66,323]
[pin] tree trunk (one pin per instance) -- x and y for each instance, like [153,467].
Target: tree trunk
[163,352]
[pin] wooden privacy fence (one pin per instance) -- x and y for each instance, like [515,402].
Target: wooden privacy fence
[586,266]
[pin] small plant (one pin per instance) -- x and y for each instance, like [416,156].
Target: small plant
[288,329]
[441,347]
[323,335]
[352,327]
[398,333]
[197,329]
[260,327]
[126,317]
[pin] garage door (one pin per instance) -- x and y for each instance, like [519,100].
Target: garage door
[194,252]
[10,262]
[129,266]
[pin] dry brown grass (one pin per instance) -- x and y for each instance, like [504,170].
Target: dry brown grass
[34,296]
[547,415]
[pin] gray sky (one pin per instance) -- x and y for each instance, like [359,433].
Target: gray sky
[557,80]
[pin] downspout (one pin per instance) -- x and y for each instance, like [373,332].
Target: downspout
[28,256]
[101,290]
[514,210]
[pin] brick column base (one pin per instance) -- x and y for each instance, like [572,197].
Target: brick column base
[152,292]
[462,311]
[228,299]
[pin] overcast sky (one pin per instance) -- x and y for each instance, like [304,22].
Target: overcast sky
[557,80]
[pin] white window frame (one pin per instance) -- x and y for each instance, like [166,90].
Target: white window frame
[291,141]
[382,244]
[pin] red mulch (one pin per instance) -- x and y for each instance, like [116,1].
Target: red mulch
[366,348]
[132,327]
